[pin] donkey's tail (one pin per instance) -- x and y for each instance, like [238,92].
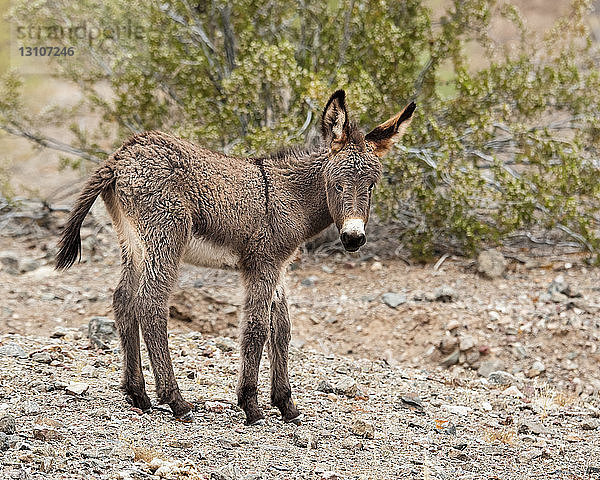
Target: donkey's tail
[69,246]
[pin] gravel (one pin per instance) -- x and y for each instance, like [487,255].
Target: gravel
[460,429]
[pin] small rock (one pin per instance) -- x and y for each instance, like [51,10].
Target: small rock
[9,261]
[225,344]
[457,455]
[473,358]
[41,357]
[360,428]
[77,388]
[452,325]
[500,377]
[376,267]
[329,475]
[557,297]
[12,350]
[589,424]
[29,265]
[528,456]
[226,472]
[309,281]
[532,427]
[445,427]
[490,366]
[352,443]
[346,386]
[60,385]
[570,365]
[89,370]
[513,391]
[466,342]
[458,409]
[304,439]
[327,269]
[448,344]
[560,286]
[486,406]
[451,359]
[460,444]
[445,294]
[29,407]
[491,263]
[413,402]
[593,469]
[536,369]
[520,350]
[59,332]
[393,300]
[46,434]
[102,332]
[8,424]
[216,407]
[4,445]
[324,387]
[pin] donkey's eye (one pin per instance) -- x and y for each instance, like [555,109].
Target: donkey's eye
[339,188]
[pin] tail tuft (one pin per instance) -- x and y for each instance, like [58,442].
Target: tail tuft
[69,245]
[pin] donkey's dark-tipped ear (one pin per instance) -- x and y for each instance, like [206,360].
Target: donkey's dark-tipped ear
[385,135]
[334,124]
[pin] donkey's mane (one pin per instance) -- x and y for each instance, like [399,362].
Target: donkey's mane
[285,153]
[296,152]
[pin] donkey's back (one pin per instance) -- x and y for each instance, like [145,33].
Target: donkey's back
[209,201]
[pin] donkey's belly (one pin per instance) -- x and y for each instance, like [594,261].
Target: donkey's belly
[203,253]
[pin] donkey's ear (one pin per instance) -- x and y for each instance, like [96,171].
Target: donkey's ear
[334,123]
[385,135]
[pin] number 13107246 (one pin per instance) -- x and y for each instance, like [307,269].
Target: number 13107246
[47,51]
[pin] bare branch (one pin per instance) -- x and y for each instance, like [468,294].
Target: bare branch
[346,37]
[52,143]
[229,38]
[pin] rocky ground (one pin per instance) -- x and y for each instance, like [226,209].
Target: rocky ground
[63,417]
[460,369]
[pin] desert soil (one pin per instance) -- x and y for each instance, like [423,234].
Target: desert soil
[401,370]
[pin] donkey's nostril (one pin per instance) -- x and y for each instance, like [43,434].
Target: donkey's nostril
[361,239]
[345,237]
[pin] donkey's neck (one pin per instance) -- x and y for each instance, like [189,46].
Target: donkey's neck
[304,184]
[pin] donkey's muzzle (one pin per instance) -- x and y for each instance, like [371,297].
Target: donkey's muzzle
[353,242]
[352,234]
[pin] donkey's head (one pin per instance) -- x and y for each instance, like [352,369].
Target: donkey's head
[354,167]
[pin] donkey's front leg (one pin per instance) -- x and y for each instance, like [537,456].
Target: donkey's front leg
[260,286]
[279,340]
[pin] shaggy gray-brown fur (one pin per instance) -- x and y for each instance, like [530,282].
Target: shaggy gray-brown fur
[172,201]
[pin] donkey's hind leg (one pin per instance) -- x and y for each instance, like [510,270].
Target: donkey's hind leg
[159,273]
[129,332]
[279,340]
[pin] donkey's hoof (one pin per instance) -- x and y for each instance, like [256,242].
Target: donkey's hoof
[141,402]
[256,423]
[297,420]
[186,417]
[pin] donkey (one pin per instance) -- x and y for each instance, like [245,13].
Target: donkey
[172,201]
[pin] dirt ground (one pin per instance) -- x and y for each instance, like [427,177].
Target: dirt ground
[466,378]
[337,305]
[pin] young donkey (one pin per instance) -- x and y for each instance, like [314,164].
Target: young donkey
[172,201]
